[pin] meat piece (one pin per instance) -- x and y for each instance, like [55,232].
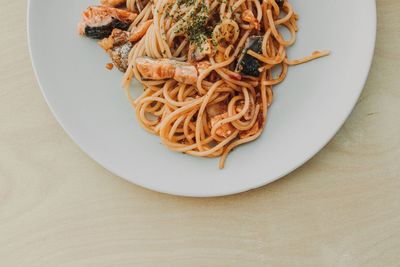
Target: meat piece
[225,130]
[248,65]
[160,69]
[118,47]
[155,69]
[249,17]
[217,109]
[117,38]
[197,53]
[203,66]
[113,3]
[109,66]
[186,74]
[99,21]
[140,31]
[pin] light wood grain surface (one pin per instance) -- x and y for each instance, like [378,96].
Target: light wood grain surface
[59,208]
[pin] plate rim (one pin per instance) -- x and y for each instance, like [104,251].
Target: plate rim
[309,156]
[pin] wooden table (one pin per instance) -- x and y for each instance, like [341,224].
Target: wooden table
[59,208]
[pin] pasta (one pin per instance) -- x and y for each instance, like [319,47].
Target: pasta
[207,66]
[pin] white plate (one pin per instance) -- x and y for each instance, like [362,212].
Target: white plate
[310,106]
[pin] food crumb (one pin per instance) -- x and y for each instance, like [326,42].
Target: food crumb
[109,66]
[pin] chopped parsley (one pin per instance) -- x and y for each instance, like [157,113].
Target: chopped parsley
[195,27]
[185,2]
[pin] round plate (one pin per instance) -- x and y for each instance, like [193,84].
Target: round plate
[309,106]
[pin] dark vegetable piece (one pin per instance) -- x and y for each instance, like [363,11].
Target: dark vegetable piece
[118,46]
[120,54]
[248,65]
[105,31]
[280,3]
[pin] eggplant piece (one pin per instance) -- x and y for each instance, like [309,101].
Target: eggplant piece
[120,54]
[98,22]
[105,31]
[118,46]
[248,65]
